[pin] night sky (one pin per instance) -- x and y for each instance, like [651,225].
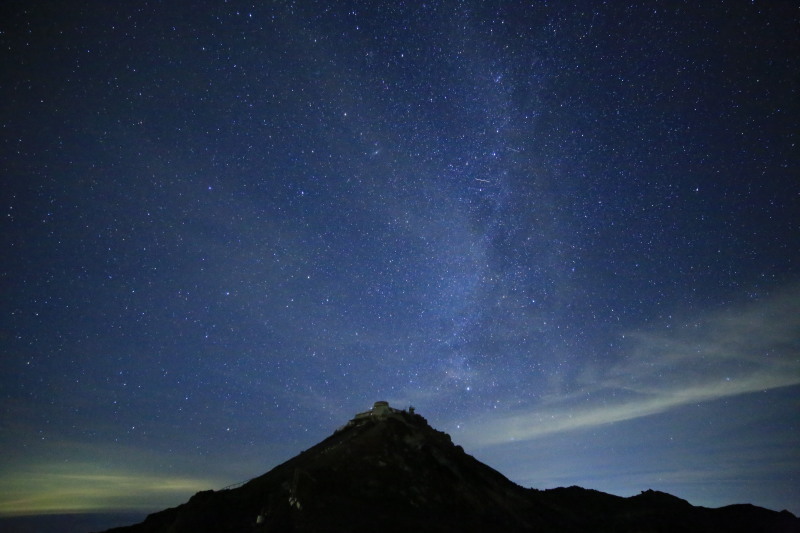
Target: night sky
[568,233]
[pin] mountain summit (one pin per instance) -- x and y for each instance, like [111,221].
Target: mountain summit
[387,470]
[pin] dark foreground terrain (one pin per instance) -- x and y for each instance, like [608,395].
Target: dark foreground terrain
[389,471]
[66,523]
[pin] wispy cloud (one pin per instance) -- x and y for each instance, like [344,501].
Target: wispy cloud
[748,348]
[87,487]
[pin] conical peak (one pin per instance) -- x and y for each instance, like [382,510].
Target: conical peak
[389,470]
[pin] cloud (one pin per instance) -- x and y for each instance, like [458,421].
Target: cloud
[747,348]
[87,487]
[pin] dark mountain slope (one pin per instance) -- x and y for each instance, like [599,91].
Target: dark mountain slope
[658,512]
[388,470]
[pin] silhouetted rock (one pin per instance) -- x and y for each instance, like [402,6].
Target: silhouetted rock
[388,470]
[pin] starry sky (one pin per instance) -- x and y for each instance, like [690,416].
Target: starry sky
[566,232]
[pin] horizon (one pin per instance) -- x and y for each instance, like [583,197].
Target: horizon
[565,233]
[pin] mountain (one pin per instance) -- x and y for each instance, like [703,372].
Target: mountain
[387,470]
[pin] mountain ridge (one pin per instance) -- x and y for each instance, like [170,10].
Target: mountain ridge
[389,470]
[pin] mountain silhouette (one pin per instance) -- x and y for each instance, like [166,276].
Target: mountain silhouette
[387,470]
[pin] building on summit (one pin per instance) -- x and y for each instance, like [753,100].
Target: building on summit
[379,409]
